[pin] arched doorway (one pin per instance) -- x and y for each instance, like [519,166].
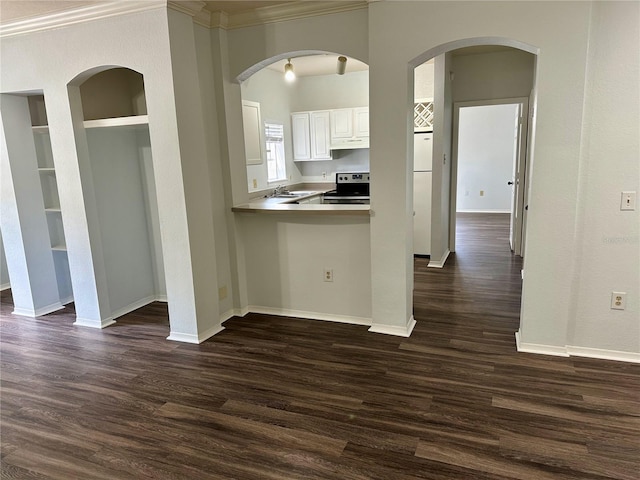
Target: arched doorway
[448,78]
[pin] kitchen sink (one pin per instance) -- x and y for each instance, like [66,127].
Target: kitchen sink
[288,195]
[294,194]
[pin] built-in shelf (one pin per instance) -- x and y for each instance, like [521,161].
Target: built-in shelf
[59,248]
[47,170]
[40,129]
[117,122]
[52,210]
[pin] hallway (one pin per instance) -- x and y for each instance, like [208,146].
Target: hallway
[480,285]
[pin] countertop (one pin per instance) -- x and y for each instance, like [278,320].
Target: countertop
[274,205]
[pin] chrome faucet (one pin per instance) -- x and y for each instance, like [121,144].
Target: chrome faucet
[280,189]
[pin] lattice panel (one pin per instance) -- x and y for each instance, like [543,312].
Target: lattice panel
[423,116]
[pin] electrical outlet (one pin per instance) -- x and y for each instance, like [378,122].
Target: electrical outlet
[482,193]
[328,275]
[628,201]
[618,300]
[222,292]
[255,183]
[324,174]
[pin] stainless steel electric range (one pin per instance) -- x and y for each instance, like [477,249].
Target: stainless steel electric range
[351,188]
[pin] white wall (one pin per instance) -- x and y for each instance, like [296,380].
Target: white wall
[286,257]
[325,92]
[606,245]
[505,74]
[4,273]
[486,149]
[222,216]
[423,81]
[120,196]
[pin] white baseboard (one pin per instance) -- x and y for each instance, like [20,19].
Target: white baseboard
[5,286]
[162,298]
[573,351]
[38,312]
[192,338]
[439,263]
[616,355]
[89,322]
[483,211]
[540,349]
[234,312]
[283,312]
[66,301]
[395,330]
[133,306]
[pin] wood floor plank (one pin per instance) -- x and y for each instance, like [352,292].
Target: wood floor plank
[281,398]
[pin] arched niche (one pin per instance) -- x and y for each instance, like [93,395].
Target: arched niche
[121,177]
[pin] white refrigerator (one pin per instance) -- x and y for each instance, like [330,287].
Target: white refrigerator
[422,166]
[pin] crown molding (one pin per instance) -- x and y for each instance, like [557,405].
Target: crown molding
[194,8]
[78,15]
[281,13]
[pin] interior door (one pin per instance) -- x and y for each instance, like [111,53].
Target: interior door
[517,181]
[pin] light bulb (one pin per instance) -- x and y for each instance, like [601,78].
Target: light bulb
[289,75]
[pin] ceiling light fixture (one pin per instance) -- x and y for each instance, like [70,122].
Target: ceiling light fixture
[289,75]
[342,65]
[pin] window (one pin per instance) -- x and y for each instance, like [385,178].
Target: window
[274,135]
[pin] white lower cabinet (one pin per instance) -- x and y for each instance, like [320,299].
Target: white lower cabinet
[311,135]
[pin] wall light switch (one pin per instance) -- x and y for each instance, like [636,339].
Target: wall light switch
[628,201]
[255,183]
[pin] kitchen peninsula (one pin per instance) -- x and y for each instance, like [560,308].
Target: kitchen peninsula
[305,199]
[308,260]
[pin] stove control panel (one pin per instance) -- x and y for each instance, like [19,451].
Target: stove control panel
[352,178]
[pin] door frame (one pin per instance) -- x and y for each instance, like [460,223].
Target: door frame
[522,167]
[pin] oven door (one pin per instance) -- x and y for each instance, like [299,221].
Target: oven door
[345,200]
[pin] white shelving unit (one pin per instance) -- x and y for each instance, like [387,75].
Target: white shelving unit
[129,121]
[49,186]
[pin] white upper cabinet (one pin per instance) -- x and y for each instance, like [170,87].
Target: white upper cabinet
[252,132]
[341,123]
[300,127]
[320,136]
[361,121]
[311,135]
[350,128]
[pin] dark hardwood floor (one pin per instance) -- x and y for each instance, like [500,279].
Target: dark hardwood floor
[281,398]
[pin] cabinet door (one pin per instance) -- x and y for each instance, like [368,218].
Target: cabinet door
[361,120]
[301,140]
[342,123]
[320,135]
[252,132]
